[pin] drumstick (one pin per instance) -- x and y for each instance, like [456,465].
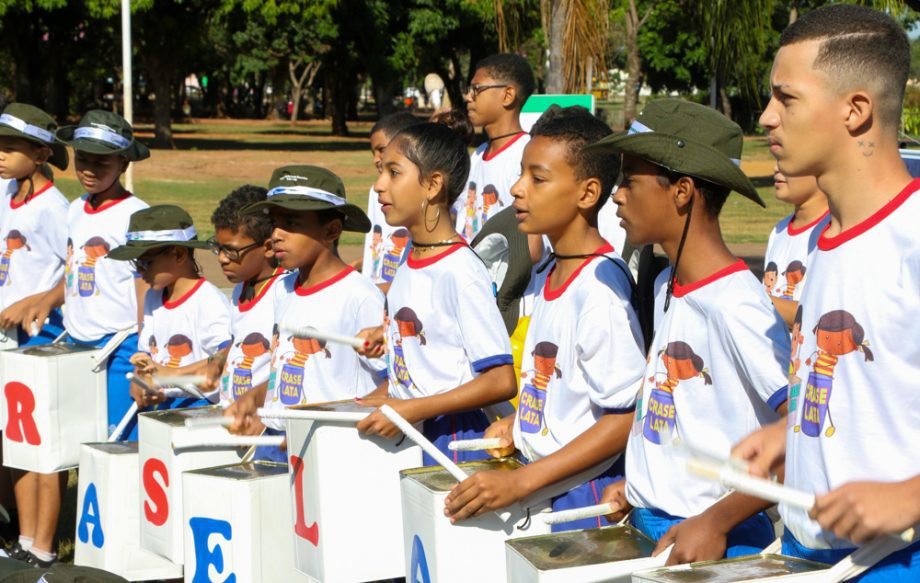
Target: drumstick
[423,442]
[311,415]
[179,380]
[577,513]
[202,422]
[475,444]
[228,441]
[311,332]
[140,382]
[132,411]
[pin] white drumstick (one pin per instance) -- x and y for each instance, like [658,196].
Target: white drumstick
[179,380]
[423,442]
[576,513]
[202,422]
[475,444]
[132,411]
[228,441]
[140,382]
[311,332]
[311,415]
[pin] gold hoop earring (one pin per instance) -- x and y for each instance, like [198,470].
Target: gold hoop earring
[437,217]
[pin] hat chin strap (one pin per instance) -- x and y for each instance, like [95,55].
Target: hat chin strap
[680,251]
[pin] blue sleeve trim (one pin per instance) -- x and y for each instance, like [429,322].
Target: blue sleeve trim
[778,398]
[224,344]
[484,364]
[619,411]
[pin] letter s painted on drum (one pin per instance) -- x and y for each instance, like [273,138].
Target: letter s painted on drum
[156,493]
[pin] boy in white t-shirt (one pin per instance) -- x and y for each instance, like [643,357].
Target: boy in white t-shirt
[32,225]
[384,246]
[716,367]
[500,85]
[186,318]
[308,211]
[852,439]
[793,240]
[583,355]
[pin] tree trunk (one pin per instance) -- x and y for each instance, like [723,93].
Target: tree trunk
[298,82]
[161,80]
[726,103]
[337,102]
[555,76]
[633,65]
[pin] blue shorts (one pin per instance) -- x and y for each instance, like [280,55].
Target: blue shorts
[587,494]
[748,538]
[118,387]
[904,565]
[266,453]
[443,429]
[51,330]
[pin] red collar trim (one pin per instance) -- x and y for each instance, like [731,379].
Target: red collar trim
[827,243]
[487,156]
[88,209]
[682,290]
[307,291]
[246,306]
[420,263]
[15,205]
[792,232]
[552,294]
[172,305]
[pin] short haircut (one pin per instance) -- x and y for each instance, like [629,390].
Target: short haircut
[434,147]
[228,215]
[576,127]
[513,69]
[860,47]
[394,123]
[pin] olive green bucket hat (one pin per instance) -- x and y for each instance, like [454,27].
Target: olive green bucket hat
[311,188]
[687,138]
[104,132]
[164,225]
[21,120]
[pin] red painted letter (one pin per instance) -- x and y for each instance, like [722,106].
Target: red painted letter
[19,412]
[311,533]
[155,492]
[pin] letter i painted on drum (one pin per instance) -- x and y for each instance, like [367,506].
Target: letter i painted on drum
[20,414]
[310,533]
[207,554]
[156,507]
[90,516]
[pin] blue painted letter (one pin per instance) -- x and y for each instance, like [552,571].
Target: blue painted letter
[90,515]
[202,529]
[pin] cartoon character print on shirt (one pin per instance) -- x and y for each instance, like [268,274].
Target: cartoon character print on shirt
[489,199]
[681,364]
[95,248]
[273,375]
[376,248]
[253,346]
[68,270]
[536,382]
[795,273]
[837,334]
[291,389]
[471,217]
[14,242]
[795,383]
[409,326]
[393,257]
[177,348]
[770,273]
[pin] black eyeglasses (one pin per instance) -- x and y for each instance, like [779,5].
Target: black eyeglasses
[232,253]
[144,262]
[475,90]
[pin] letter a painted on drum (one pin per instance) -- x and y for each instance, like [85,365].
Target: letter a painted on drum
[311,533]
[158,513]
[205,554]
[418,566]
[90,516]
[20,418]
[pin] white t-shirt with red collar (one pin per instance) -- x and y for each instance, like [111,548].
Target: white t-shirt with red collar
[716,372]
[788,255]
[385,247]
[185,330]
[442,325]
[855,392]
[99,293]
[34,243]
[488,188]
[583,356]
[250,355]
[306,370]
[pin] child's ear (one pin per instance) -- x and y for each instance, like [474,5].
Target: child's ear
[267,248]
[509,97]
[434,186]
[591,193]
[42,155]
[683,192]
[334,229]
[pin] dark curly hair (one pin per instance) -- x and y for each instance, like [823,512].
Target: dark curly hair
[256,226]
[513,69]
